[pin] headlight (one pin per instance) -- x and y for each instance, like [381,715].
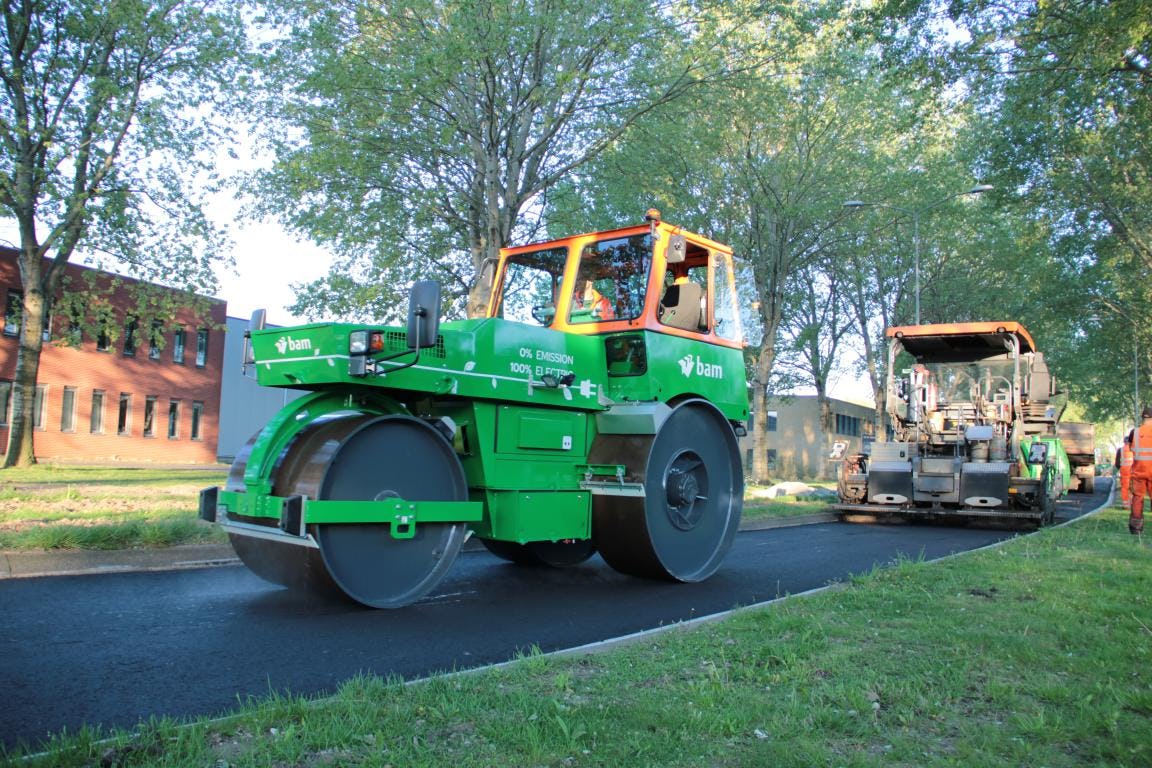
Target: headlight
[358,342]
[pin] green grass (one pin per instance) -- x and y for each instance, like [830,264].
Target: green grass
[1031,654]
[67,507]
[757,507]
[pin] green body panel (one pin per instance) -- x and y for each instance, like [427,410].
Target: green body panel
[524,516]
[1055,450]
[526,403]
[678,367]
[511,368]
[483,359]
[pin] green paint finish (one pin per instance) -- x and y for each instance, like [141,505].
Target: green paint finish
[517,366]
[523,516]
[677,367]
[1056,451]
[513,368]
[520,429]
[397,511]
[277,433]
[517,448]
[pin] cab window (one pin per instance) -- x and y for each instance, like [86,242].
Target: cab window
[684,298]
[531,286]
[727,309]
[611,280]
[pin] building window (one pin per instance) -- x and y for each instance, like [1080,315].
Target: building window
[173,419]
[39,399]
[201,347]
[5,401]
[847,425]
[13,310]
[197,417]
[96,422]
[155,340]
[68,410]
[104,325]
[771,421]
[771,454]
[130,328]
[150,416]
[178,346]
[124,419]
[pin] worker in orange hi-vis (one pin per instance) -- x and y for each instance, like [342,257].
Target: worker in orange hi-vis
[1124,468]
[1141,470]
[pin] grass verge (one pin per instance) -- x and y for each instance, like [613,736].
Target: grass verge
[757,506]
[66,507]
[1031,654]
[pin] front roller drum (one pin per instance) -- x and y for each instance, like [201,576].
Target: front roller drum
[693,481]
[361,457]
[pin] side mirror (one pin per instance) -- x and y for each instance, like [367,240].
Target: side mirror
[257,322]
[423,314]
[676,251]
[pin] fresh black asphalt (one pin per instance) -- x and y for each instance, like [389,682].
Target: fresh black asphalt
[116,649]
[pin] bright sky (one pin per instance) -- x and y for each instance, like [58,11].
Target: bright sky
[268,262]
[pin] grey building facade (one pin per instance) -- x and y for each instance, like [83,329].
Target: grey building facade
[797,447]
[245,406]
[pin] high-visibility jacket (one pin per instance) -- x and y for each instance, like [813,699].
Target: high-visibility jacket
[1126,460]
[1142,450]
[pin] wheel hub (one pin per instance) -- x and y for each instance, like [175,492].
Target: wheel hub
[685,485]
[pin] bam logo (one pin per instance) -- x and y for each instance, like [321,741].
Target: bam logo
[285,343]
[690,363]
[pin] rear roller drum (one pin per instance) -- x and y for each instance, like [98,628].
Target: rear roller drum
[358,458]
[684,524]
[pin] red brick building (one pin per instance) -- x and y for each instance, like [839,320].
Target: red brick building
[147,395]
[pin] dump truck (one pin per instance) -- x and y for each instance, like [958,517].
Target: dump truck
[595,408]
[973,420]
[1079,440]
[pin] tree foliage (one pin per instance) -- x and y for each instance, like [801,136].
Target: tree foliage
[103,131]
[418,137]
[1063,94]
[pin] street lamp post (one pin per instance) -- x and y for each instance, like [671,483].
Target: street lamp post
[915,214]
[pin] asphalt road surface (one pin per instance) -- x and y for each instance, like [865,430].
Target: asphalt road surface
[117,649]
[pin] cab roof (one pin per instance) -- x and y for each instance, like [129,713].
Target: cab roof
[959,342]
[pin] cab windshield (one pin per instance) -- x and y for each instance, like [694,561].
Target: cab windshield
[532,285]
[611,280]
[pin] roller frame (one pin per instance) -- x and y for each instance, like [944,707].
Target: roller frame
[401,514]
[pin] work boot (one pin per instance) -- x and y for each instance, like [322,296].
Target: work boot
[1135,525]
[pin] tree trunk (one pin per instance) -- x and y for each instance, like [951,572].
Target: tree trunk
[760,441]
[21,451]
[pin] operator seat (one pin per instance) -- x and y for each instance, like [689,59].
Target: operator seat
[681,305]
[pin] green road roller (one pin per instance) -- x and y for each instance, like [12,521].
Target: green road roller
[595,408]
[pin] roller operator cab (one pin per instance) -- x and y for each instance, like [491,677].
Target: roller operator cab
[594,409]
[973,425]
